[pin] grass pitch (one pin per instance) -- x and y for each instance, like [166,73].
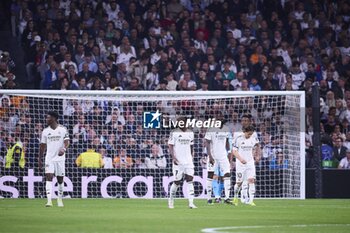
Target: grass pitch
[127,215]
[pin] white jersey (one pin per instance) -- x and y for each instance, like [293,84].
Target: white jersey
[54,140]
[218,138]
[239,133]
[245,148]
[182,142]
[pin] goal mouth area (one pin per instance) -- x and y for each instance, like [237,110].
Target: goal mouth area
[287,135]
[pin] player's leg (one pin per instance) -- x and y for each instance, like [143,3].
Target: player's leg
[189,179]
[210,186]
[178,174]
[60,173]
[216,188]
[49,173]
[210,176]
[244,192]
[251,185]
[237,186]
[216,183]
[225,170]
[221,183]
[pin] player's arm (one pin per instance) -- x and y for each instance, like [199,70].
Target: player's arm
[237,155]
[228,148]
[66,144]
[208,145]
[42,149]
[172,154]
[257,152]
[64,148]
[171,144]
[234,151]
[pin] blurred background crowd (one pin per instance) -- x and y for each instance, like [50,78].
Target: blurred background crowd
[181,45]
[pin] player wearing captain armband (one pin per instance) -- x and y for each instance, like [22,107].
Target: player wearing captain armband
[181,150]
[244,149]
[217,145]
[54,141]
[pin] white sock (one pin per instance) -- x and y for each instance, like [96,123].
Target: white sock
[227,186]
[48,188]
[209,187]
[236,190]
[244,192]
[173,190]
[251,192]
[60,190]
[190,192]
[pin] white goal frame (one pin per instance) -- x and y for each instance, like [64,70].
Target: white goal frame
[185,95]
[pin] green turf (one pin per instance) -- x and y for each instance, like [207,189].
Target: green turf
[126,215]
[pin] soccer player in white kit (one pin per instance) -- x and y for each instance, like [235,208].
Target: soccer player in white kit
[244,148]
[54,141]
[245,122]
[217,147]
[181,150]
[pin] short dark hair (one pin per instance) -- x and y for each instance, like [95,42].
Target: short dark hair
[53,114]
[249,128]
[247,115]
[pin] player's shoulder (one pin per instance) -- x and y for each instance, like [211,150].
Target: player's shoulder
[175,131]
[240,137]
[225,129]
[237,135]
[45,130]
[62,127]
[255,137]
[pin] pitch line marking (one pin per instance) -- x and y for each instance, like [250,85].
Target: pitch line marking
[222,229]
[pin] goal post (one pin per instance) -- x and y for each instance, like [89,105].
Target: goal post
[122,127]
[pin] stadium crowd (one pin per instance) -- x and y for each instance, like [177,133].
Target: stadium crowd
[179,45]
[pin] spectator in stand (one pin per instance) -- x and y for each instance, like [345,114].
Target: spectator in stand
[68,62]
[186,83]
[345,162]
[347,140]
[227,73]
[106,161]
[278,161]
[51,76]
[339,151]
[175,37]
[171,83]
[122,160]
[155,159]
[92,66]
[297,75]
[254,85]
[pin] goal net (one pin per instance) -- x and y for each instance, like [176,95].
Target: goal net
[130,131]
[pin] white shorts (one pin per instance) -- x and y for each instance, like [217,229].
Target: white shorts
[179,171]
[222,166]
[210,167]
[55,167]
[245,172]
